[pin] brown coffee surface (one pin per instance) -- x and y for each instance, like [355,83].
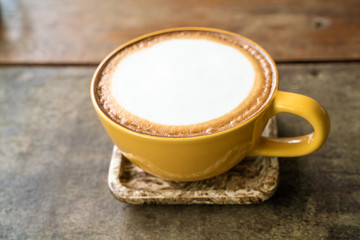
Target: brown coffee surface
[258,97]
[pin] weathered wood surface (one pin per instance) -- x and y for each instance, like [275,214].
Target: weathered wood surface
[54,158]
[84,31]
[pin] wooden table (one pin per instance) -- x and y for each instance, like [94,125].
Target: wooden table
[54,154]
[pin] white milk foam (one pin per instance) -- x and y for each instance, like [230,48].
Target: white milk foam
[182,81]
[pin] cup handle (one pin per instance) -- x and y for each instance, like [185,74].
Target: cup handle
[305,107]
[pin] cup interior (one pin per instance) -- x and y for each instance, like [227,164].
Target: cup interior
[97,75]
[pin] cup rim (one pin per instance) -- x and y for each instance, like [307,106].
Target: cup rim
[109,56]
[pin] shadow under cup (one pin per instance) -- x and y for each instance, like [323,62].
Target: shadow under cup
[204,156]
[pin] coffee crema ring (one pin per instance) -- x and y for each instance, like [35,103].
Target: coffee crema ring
[258,95]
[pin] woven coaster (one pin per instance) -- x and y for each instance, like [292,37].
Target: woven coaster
[253,180]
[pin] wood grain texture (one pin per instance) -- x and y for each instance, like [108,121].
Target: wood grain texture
[54,159]
[84,31]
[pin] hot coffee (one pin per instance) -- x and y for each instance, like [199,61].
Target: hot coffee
[185,83]
[190,103]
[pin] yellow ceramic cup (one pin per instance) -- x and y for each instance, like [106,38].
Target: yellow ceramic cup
[200,157]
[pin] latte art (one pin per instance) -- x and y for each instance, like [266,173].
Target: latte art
[184,84]
[182,81]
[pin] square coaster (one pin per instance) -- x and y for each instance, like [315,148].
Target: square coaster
[253,180]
